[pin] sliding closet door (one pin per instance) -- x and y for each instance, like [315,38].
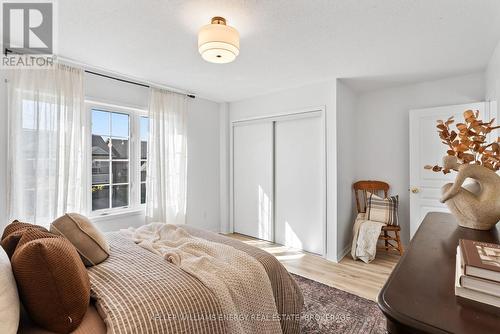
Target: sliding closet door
[300,183]
[253,179]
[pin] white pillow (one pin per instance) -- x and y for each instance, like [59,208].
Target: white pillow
[9,299]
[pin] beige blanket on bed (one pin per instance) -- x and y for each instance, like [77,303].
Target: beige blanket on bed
[239,282]
[137,291]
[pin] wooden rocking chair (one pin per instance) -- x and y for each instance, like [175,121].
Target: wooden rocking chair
[361,188]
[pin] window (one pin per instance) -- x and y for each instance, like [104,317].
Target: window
[110,160]
[144,133]
[119,159]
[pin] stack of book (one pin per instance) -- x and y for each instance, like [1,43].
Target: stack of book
[478,272]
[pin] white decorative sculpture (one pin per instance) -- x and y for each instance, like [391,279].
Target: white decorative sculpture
[476,205]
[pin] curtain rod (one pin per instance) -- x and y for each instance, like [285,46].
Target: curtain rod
[127,81]
[84,66]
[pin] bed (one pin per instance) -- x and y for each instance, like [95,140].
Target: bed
[135,290]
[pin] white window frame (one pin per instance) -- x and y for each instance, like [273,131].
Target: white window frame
[135,115]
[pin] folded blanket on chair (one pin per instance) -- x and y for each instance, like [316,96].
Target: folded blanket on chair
[365,238]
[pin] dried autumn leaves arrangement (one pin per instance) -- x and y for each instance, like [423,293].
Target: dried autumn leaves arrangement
[468,143]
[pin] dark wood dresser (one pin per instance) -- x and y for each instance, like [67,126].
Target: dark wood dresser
[419,296]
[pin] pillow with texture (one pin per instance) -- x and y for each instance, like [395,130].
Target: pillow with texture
[90,243]
[52,282]
[9,299]
[13,233]
[383,210]
[31,234]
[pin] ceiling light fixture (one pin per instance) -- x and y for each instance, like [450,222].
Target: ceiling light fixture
[218,42]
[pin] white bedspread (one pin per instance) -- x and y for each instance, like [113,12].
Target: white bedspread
[237,280]
[364,242]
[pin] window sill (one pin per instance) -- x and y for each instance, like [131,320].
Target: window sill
[117,214]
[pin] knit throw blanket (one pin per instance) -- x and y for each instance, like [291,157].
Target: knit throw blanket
[239,282]
[365,238]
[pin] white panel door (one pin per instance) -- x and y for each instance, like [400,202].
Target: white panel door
[300,183]
[253,179]
[426,149]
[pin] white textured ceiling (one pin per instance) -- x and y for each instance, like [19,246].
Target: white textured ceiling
[284,43]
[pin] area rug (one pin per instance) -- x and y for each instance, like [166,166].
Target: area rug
[330,310]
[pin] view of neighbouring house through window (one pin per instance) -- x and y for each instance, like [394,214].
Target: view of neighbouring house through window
[144,133]
[110,159]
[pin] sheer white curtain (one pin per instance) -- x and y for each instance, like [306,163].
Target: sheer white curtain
[167,158]
[45,143]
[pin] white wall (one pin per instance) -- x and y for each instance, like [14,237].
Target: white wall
[203,187]
[3,149]
[203,152]
[382,125]
[346,152]
[493,83]
[224,167]
[371,141]
[115,92]
[367,137]
[321,94]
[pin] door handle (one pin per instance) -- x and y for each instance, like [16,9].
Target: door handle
[415,190]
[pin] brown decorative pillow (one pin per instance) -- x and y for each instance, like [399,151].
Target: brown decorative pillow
[87,239]
[31,234]
[52,281]
[13,233]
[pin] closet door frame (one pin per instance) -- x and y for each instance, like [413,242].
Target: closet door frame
[273,118]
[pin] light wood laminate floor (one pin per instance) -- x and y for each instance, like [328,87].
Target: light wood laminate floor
[356,277]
